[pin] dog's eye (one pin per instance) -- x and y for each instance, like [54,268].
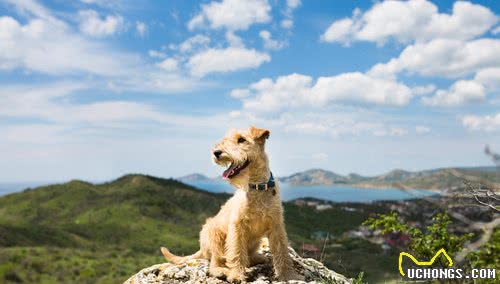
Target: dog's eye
[241,140]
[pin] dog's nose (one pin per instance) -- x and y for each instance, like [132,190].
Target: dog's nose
[217,153]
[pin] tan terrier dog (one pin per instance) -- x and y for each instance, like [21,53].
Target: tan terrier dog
[231,239]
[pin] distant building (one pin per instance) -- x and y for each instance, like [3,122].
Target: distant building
[310,250]
[322,207]
[350,209]
[299,202]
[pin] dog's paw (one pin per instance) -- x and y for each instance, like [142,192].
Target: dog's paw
[235,276]
[218,272]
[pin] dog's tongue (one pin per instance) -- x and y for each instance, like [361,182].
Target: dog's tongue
[229,172]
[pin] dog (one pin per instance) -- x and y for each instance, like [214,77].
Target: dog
[231,239]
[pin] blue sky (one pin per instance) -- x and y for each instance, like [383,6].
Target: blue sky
[94,89]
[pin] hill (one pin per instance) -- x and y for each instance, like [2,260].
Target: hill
[196,177]
[314,177]
[79,232]
[90,224]
[427,179]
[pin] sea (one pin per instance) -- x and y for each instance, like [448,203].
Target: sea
[335,193]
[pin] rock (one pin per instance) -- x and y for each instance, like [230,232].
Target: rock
[196,272]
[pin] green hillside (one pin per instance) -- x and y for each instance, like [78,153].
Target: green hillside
[79,232]
[86,226]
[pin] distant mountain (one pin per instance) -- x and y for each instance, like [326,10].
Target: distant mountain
[196,177]
[314,177]
[427,179]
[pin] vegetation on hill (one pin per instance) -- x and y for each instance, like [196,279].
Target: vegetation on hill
[80,232]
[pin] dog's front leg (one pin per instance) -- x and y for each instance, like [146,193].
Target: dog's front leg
[278,243]
[237,258]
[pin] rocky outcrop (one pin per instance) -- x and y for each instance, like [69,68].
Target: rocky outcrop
[196,272]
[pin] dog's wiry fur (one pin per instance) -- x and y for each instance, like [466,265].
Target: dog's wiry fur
[230,240]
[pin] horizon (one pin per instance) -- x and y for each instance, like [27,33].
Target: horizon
[93,90]
[49,182]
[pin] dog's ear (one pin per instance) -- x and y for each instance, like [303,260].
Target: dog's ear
[259,135]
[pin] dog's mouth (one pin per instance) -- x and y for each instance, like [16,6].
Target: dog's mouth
[234,169]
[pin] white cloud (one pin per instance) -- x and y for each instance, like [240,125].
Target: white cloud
[49,46]
[52,103]
[460,93]
[421,129]
[94,25]
[232,14]
[32,7]
[287,24]
[141,28]
[169,64]
[296,90]
[240,93]
[340,31]
[291,5]
[486,123]
[269,42]
[489,77]
[358,87]
[46,102]
[234,40]
[414,20]
[194,42]
[104,3]
[225,60]
[423,90]
[442,57]
[156,54]
[496,30]
[336,124]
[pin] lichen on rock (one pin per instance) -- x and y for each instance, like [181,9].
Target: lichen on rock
[196,272]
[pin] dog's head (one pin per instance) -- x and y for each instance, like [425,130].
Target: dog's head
[240,152]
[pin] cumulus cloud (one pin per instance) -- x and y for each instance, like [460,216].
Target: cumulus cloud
[230,59]
[49,46]
[92,24]
[194,42]
[231,14]
[269,42]
[414,20]
[460,93]
[298,90]
[169,64]
[442,57]
[487,123]
[489,78]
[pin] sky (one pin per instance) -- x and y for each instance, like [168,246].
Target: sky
[95,89]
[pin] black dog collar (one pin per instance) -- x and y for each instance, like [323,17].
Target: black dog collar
[263,186]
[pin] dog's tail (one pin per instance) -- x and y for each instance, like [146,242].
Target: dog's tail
[180,259]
